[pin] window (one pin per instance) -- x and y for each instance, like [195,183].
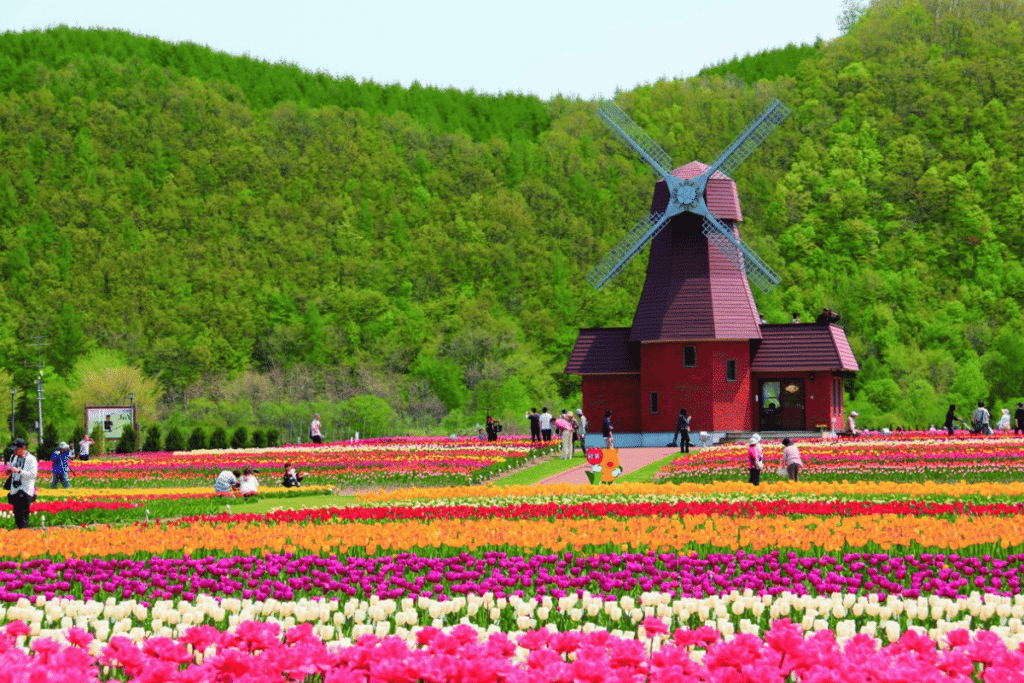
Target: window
[689,356]
[654,402]
[730,370]
[837,394]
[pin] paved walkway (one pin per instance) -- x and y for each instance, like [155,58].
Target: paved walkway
[632,459]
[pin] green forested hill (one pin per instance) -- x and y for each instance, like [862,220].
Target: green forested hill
[255,239]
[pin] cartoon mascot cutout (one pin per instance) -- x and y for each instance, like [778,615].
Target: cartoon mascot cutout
[603,465]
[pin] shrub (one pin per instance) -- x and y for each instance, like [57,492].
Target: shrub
[197,439]
[273,437]
[258,439]
[77,435]
[240,438]
[50,441]
[174,441]
[152,443]
[219,438]
[99,437]
[129,441]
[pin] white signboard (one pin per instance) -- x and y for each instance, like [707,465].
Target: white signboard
[112,418]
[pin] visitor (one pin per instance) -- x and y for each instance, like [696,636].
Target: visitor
[314,430]
[791,458]
[291,478]
[1018,419]
[581,431]
[761,319]
[851,423]
[492,429]
[980,420]
[683,430]
[755,454]
[950,417]
[22,469]
[60,457]
[83,447]
[1004,421]
[564,426]
[249,485]
[608,430]
[227,482]
[545,424]
[796,319]
[534,419]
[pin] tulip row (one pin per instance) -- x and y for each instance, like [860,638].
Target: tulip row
[610,574]
[901,459]
[589,510]
[996,535]
[982,492]
[395,461]
[351,619]
[261,652]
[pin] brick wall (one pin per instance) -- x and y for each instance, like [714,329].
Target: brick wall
[618,393]
[713,402]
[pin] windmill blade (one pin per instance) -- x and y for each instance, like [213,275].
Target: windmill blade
[636,138]
[758,272]
[750,139]
[628,247]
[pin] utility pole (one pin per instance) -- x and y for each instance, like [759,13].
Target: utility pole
[39,341]
[39,396]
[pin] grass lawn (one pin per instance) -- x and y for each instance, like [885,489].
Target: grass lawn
[293,503]
[646,473]
[537,474]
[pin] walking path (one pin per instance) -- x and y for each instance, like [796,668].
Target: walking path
[632,459]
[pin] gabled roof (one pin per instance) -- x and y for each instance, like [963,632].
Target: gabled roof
[601,351]
[805,346]
[720,194]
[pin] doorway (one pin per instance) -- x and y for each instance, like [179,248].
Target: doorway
[782,405]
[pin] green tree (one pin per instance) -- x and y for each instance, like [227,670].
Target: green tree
[128,441]
[240,437]
[197,439]
[218,438]
[152,442]
[174,441]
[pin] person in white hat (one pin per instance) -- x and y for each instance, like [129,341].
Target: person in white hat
[60,458]
[756,456]
[851,424]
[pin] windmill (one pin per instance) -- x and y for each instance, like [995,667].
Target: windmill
[687,195]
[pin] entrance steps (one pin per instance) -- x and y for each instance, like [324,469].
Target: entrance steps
[744,437]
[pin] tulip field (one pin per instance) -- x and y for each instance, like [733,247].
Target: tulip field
[892,559]
[902,457]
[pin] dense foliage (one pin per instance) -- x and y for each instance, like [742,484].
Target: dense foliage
[250,234]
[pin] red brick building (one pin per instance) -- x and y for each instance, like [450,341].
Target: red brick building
[696,343]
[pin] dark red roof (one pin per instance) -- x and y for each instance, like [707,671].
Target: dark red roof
[806,346]
[602,351]
[720,194]
[692,290]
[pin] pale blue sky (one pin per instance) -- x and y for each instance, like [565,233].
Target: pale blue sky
[545,48]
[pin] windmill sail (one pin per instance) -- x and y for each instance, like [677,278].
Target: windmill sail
[636,138]
[758,272]
[687,195]
[750,139]
[627,248]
